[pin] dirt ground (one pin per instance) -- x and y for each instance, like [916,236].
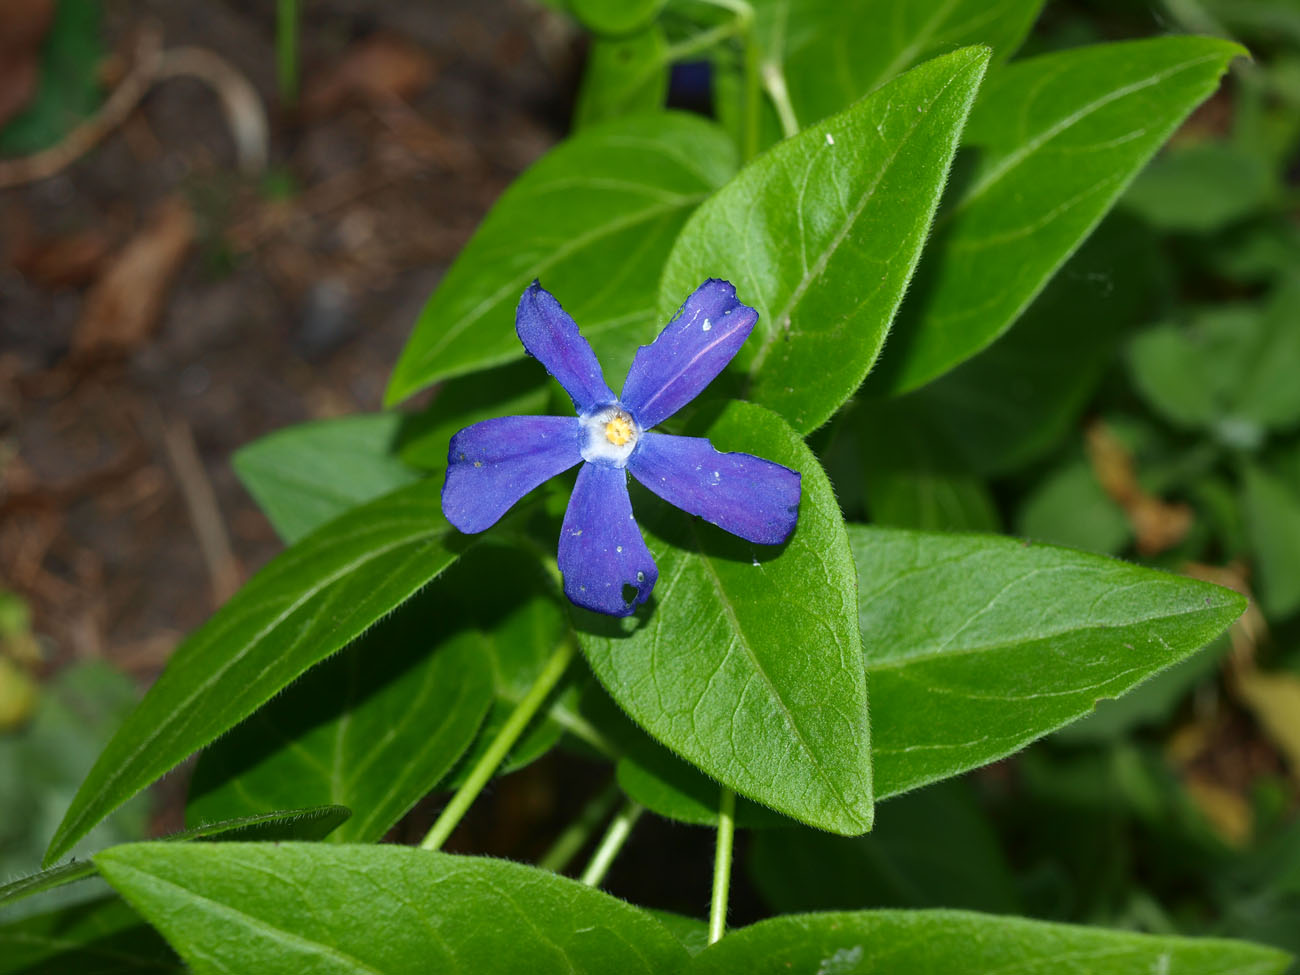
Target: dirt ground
[249,302]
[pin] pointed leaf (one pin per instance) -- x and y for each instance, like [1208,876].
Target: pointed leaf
[593,220]
[1058,137]
[380,909]
[305,605]
[821,235]
[306,475]
[745,661]
[944,942]
[1025,639]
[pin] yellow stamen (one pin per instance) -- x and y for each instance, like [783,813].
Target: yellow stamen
[618,431]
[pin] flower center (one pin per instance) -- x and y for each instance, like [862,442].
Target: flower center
[609,434]
[618,431]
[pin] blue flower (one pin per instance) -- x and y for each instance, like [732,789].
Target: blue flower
[493,464]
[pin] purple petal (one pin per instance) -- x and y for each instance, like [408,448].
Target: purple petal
[691,350]
[493,464]
[601,549]
[550,335]
[745,495]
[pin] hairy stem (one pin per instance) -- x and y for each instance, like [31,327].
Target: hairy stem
[619,830]
[496,753]
[577,833]
[722,864]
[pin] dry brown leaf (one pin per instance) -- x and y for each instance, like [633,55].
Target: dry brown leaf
[1229,814]
[1157,524]
[127,300]
[72,261]
[380,68]
[1274,699]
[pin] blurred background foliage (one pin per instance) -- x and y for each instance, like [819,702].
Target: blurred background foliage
[1147,406]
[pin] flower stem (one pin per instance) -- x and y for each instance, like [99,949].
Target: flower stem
[496,752]
[286,50]
[577,833]
[619,830]
[722,864]
[774,82]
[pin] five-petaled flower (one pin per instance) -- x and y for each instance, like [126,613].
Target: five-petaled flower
[493,464]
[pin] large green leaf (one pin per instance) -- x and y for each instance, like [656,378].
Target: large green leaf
[593,219]
[746,661]
[102,937]
[306,475]
[930,848]
[821,235]
[1024,639]
[305,605]
[1058,138]
[300,824]
[946,942]
[833,52]
[624,75]
[380,909]
[378,726]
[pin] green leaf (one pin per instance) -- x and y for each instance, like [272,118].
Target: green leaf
[102,937]
[308,603]
[624,75]
[1272,514]
[615,16]
[1070,507]
[371,909]
[1268,394]
[1019,397]
[668,787]
[930,848]
[304,476]
[1058,137]
[593,219]
[943,942]
[303,824]
[821,235]
[746,659]
[833,52]
[693,933]
[1200,188]
[1025,639]
[378,726]
[68,90]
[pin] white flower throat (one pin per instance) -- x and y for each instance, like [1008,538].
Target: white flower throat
[609,434]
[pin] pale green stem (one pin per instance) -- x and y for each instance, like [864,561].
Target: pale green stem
[774,82]
[722,864]
[576,835]
[619,830]
[286,50]
[496,752]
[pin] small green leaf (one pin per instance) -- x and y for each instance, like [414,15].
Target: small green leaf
[668,787]
[1025,639]
[746,659]
[1272,514]
[1200,188]
[624,75]
[301,824]
[304,476]
[930,848]
[1058,137]
[944,942]
[305,605]
[102,937]
[380,909]
[1070,507]
[593,219]
[821,235]
[616,16]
